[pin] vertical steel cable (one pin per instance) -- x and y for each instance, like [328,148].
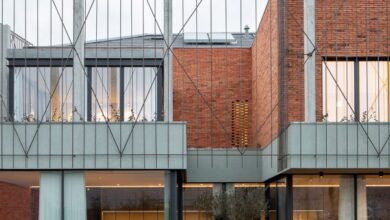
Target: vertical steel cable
[37,77]
[62,92]
[94,80]
[132,83]
[226,84]
[108,74]
[156,92]
[387,73]
[14,29]
[211,82]
[197,83]
[367,89]
[2,89]
[50,76]
[121,79]
[254,109]
[270,73]
[143,79]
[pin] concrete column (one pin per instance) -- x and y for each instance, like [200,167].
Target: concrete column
[50,194]
[220,189]
[310,58]
[62,196]
[361,198]
[79,85]
[75,201]
[168,71]
[347,198]
[5,42]
[170,195]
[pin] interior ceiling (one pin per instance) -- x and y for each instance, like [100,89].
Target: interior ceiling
[95,178]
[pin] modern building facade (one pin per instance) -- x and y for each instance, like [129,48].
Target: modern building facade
[290,121]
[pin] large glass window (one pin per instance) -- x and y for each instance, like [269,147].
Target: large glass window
[125,195]
[139,93]
[338,90]
[33,87]
[374,91]
[105,98]
[377,197]
[342,98]
[316,197]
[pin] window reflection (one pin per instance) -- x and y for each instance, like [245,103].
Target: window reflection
[33,87]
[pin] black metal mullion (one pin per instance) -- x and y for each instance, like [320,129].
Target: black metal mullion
[89,94]
[356,90]
[122,94]
[160,94]
[11,94]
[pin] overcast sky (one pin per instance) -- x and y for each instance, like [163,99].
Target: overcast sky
[115,18]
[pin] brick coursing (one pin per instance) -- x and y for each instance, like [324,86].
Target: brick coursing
[222,76]
[18,202]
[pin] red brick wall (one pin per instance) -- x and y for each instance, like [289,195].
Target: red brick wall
[350,28]
[265,77]
[222,76]
[16,203]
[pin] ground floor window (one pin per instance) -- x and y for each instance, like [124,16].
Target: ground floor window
[125,195]
[320,197]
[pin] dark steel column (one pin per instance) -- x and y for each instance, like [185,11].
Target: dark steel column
[289,197]
[180,196]
[267,195]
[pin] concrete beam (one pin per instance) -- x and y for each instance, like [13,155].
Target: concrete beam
[168,72]
[79,80]
[310,57]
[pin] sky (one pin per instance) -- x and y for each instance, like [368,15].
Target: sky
[39,21]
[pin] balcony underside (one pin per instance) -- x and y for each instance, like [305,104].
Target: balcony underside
[328,147]
[153,145]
